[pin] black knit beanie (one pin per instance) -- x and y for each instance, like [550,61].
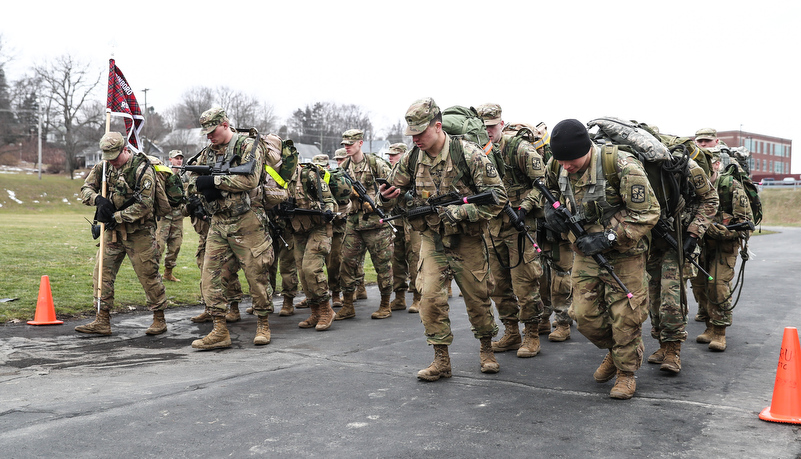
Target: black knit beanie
[569,140]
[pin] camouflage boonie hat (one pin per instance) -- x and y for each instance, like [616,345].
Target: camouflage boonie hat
[212,118]
[176,153]
[352,136]
[419,115]
[341,153]
[320,160]
[112,144]
[397,149]
[706,134]
[490,113]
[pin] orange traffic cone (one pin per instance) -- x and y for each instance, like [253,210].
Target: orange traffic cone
[786,403]
[45,311]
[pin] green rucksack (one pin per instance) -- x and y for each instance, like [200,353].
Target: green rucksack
[337,183]
[537,136]
[465,123]
[734,171]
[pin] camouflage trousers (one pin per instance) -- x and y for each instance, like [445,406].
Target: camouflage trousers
[604,314]
[233,289]
[405,258]
[284,262]
[714,297]
[556,289]
[140,247]
[170,236]
[466,262]
[311,250]
[242,238]
[333,261]
[667,308]
[517,290]
[380,245]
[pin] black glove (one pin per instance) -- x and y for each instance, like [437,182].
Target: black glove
[191,205]
[689,245]
[204,182]
[101,201]
[105,212]
[593,243]
[521,214]
[328,216]
[556,220]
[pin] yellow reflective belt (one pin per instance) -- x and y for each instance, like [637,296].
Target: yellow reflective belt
[542,142]
[327,176]
[276,176]
[162,168]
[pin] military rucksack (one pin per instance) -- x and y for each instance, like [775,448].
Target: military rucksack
[169,190]
[537,136]
[279,167]
[337,183]
[735,172]
[465,123]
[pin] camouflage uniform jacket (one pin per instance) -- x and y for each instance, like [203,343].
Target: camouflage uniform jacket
[699,212]
[364,173]
[235,188]
[435,176]
[737,209]
[121,187]
[634,207]
[523,167]
[309,191]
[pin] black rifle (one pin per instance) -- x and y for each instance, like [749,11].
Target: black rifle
[276,231]
[742,226]
[363,197]
[453,198]
[579,231]
[662,230]
[519,224]
[226,168]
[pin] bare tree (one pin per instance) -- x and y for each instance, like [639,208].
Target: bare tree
[69,85]
[193,103]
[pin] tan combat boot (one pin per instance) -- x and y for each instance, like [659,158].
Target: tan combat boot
[202,317]
[287,309]
[440,367]
[303,304]
[399,303]
[606,370]
[336,300]
[544,327]
[326,316]
[233,313]
[672,361]
[384,310]
[100,326]
[347,310]
[361,292]
[560,333]
[262,331]
[168,275]
[159,325]
[625,385]
[510,339]
[487,357]
[531,341]
[415,307]
[313,318]
[718,342]
[706,336]
[217,338]
[659,355]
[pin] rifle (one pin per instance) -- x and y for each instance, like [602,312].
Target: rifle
[276,231]
[579,231]
[363,197]
[222,169]
[662,230]
[742,226]
[287,209]
[453,198]
[519,224]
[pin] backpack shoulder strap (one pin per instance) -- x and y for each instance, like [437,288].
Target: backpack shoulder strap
[609,164]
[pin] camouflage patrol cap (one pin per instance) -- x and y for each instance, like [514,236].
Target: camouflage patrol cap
[490,113]
[706,134]
[419,115]
[176,153]
[397,149]
[112,144]
[212,118]
[352,136]
[320,160]
[341,153]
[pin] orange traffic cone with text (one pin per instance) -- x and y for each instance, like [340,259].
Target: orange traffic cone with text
[786,403]
[45,311]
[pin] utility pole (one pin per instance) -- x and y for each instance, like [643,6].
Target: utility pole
[146,115]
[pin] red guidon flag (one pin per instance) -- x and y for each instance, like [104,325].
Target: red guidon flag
[122,102]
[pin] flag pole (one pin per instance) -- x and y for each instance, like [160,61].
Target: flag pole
[103,192]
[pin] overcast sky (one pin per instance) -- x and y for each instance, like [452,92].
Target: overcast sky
[680,65]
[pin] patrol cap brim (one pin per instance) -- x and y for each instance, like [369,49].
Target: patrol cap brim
[414,129]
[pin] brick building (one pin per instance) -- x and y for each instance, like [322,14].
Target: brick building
[770,156]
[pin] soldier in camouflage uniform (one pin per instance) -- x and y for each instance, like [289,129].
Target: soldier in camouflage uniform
[364,231]
[667,298]
[235,229]
[517,282]
[406,254]
[719,250]
[170,228]
[334,261]
[617,220]
[312,233]
[453,243]
[130,229]
[284,263]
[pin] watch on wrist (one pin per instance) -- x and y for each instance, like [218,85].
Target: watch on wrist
[611,236]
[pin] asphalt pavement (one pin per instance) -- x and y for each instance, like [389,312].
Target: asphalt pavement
[351,391]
